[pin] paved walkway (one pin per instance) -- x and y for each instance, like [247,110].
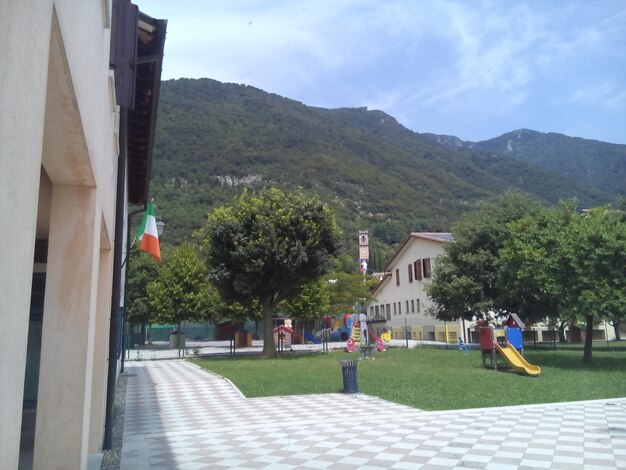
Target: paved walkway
[180,417]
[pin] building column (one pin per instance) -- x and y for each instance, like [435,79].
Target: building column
[101,352]
[65,380]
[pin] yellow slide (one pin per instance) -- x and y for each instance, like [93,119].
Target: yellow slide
[517,361]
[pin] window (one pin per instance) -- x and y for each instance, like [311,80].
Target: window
[418,306]
[377,310]
[399,308]
[417,266]
[410,273]
[388,311]
[395,308]
[371,311]
[407,306]
[388,315]
[397,277]
[412,306]
[427,271]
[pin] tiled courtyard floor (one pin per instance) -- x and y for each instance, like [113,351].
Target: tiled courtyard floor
[181,417]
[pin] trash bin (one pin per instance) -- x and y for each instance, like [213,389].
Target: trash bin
[177,341]
[350,379]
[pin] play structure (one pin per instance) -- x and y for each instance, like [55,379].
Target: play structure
[363,338]
[508,343]
[352,328]
[283,337]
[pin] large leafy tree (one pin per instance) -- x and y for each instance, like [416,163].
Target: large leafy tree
[310,303]
[345,290]
[142,270]
[266,247]
[182,291]
[465,278]
[335,293]
[531,274]
[572,263]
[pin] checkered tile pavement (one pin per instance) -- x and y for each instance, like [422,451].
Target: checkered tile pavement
[180,417]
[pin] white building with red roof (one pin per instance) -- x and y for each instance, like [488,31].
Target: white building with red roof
[401,299]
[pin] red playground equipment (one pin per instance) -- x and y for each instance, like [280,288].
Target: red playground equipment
[508,343]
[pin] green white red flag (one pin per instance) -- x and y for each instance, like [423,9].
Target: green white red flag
[148,235]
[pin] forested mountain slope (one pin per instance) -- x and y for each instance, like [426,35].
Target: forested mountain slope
[591,162]
[215,138]
[600,165]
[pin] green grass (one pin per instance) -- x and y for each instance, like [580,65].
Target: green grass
[435,379]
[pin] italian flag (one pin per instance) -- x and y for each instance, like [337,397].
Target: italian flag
[148,235]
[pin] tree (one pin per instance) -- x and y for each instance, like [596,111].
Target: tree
[529,268]
[310,303]
[267,246]
[335,293]
[346,289]
[142,270]
[182,292]
[465,277]
[572,262]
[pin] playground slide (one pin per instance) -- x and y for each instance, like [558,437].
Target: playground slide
[310,338]
[517,361]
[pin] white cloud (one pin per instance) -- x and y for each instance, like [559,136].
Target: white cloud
[449,59]
[605,94]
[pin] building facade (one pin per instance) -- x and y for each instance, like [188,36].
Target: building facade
[64,167]
[401,304]
[401,299]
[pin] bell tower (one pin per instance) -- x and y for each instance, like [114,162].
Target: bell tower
[364,251]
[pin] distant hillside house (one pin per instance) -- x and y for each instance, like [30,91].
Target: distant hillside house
[401,299]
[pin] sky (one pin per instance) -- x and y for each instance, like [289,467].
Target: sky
[473,69]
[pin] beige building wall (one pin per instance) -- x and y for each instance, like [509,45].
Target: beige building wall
[57,119]
[402,299]
[23,74]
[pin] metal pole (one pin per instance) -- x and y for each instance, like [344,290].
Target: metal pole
[114,329]
[406,333]
[464,336]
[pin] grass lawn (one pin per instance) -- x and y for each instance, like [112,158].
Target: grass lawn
[435,379]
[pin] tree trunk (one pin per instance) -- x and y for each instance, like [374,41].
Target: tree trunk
[588,339]
[616,328]
[269,351]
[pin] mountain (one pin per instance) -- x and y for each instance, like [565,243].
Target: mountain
[215,138]
[596,164]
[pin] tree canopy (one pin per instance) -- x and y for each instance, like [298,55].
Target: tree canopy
[266,247]
[517,256]
[181,292]
[570,262]
[142,270]
[464,282]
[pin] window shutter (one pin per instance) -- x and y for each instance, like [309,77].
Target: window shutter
[397,277]
[410,273]
[418,270]
[427,271]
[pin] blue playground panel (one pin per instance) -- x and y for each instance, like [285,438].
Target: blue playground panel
[514,337]
[310,338]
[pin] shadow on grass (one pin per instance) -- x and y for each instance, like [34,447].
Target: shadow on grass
[573,360]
